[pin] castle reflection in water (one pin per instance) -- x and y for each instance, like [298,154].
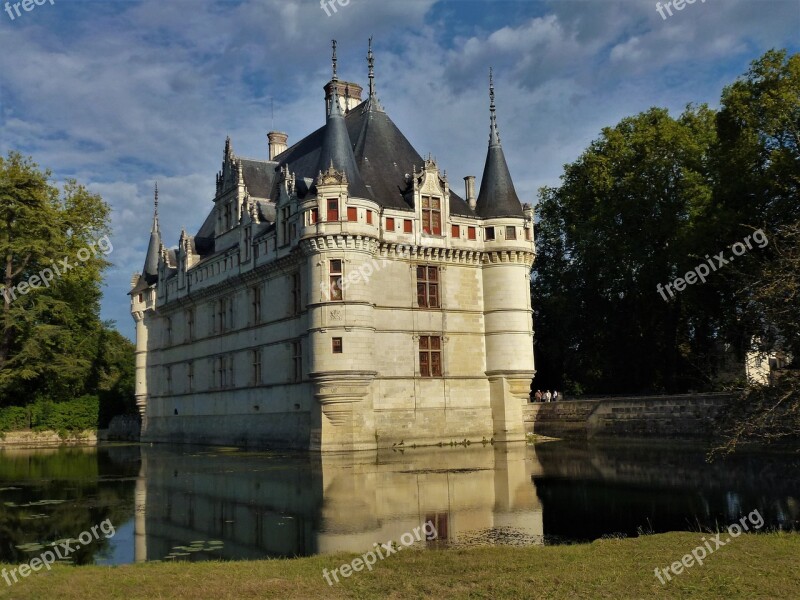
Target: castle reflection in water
[192,503]
[284,505]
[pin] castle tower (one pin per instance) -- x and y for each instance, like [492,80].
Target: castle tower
[340,307]
[143,299]
[509,255]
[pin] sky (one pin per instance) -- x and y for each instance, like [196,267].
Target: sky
[119,94]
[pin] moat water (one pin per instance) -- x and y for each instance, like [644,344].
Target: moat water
[179,503]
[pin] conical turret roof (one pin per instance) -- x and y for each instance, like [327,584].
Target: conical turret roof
[497,196]
[150,270]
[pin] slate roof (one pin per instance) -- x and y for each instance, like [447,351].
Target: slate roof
[150,270]
[497,197]
[258,176]
[382,154]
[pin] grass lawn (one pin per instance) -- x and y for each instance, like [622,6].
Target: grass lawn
[751,566]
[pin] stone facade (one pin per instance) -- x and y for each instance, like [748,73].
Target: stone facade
[315,309]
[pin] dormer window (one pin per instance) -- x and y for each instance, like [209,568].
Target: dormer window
[432,215]
[227,217]
[333,209]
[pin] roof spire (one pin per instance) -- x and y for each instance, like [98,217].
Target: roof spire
[155,227]
[371,63]
[373,104]
[335,77]
[494,135]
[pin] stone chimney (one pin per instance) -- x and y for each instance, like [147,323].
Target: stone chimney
[469,182]
[349,95]
[277,143]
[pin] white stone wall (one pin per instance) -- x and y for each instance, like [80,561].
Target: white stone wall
[373,392]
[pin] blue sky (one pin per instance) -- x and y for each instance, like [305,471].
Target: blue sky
[121,93]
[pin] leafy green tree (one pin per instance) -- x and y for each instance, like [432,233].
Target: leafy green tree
[621,223]
[53,345]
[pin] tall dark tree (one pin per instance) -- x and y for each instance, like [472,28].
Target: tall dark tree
[622,223]
[53,247]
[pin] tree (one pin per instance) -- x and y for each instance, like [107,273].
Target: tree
[52,342]
[623,222]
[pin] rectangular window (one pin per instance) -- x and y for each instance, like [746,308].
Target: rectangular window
[222,372]
[168,331]
[439,524]
[489,233]
[511,232]
[455,231]
[296,297]
[228,216]
[190,377]
[352,213]
[471,233]
[313,216]
[432,215]
[369,217]
[168,379]
[230,371]
[336,345]
[427,286]
[407,226]
[190,325]
[389,224]
[248,241]
[529,234]
[255,305]
[297,357]
[430,356]
[285,214]
[333,210]
[255,377]
[335,279]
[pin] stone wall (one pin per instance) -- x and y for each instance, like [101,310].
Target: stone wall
[47,438]
[689,415]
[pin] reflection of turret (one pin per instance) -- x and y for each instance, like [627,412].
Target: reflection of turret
[467,493]
[139,517]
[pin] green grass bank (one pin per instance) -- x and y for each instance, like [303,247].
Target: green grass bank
[751,566]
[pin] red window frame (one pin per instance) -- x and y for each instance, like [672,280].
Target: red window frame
[427,286]
[430,356]
[333,209]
